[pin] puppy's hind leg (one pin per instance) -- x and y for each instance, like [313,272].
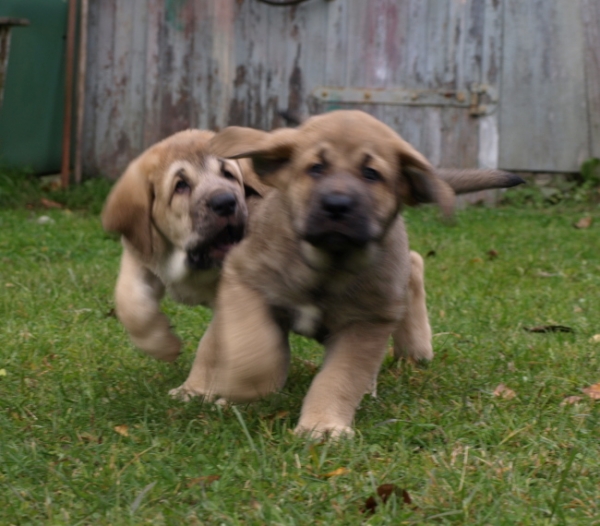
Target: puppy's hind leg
[137,300]
[412,336]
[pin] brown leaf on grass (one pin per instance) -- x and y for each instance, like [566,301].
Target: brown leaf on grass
[122,430]
[504,392]
[312,367]
[89,438]
[384,492]
[584,222]
[549,328]
[205,481]
[336,473]
[570,400]
[492,254]
[593,391]
[47,203]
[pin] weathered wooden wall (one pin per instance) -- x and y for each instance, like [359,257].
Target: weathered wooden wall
[158,66]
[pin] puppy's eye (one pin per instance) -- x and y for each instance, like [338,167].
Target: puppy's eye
[370,174]
[316,170]
[228,175]
[181,187]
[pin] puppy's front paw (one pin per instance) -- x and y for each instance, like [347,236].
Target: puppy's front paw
[186,393]
[322,431]
[413,350]
[161,345]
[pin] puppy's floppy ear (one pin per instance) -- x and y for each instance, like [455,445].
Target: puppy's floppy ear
[253,187]
[128,208]
[419,183]
[270,152]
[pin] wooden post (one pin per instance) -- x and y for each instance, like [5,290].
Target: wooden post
[81,70]
[70,52]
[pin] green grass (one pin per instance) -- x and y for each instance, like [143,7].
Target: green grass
[69,377]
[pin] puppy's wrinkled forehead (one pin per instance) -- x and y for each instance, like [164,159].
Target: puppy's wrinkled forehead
[195,167]
[351,133]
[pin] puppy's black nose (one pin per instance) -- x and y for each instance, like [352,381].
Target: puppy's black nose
[337,206]
[223,204]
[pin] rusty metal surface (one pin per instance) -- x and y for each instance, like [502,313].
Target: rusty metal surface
[157,66]
[12,21]
[479,98]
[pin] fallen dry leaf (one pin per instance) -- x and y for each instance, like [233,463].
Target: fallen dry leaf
[593,391]
[549,328]
[543,274]
[122,430]
[584,222]
[312,367]
[207,480]
[47,203]
[570,400]
[595,338]
[492,254]
[89,438]
[384,492]
[504,392]
[336,473]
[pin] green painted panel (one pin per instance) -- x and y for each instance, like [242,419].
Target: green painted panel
[32,112]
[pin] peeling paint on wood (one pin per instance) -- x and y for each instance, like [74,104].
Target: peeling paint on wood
[158,66]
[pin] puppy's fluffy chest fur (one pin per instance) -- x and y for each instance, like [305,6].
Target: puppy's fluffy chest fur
[182,283]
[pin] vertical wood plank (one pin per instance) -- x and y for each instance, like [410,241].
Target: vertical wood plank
[543,119]
[152,88]
[103,90]
[590,15]
[175,66]
[89,161]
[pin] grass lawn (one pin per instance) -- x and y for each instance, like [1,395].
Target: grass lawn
[88,434]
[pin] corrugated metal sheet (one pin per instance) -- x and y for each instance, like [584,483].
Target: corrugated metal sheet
[157,66]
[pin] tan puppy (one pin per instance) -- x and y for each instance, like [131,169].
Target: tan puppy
[327,256]
[179,211]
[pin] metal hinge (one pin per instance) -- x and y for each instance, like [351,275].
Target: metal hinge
[479,99]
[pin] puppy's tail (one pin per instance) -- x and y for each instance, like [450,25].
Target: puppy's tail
[463,181]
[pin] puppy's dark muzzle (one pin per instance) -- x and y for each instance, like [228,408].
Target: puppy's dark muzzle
[223,204]
[337,223]
[336,207]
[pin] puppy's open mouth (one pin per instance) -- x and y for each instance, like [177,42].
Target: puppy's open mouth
[213,252]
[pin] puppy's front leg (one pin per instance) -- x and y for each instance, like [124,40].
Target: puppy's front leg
[352,362]
[137,301]
[253,350]
[412,336]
